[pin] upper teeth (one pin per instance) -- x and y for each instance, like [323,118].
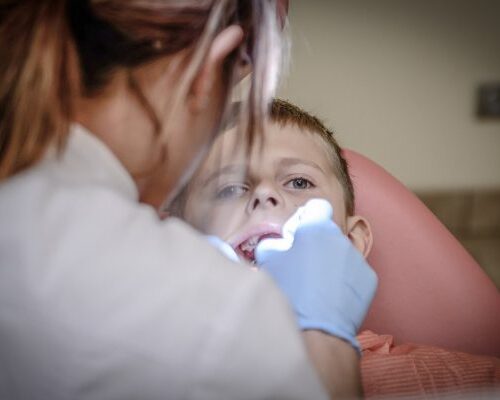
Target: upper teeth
[250,244]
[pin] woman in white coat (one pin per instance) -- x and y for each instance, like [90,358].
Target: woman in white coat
[106,106]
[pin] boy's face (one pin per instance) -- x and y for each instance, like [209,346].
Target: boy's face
[245,199]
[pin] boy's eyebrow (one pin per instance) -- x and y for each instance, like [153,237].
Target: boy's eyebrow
[290,161]
[227,169]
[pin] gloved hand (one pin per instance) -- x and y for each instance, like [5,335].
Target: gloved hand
[326,279]
[224,247]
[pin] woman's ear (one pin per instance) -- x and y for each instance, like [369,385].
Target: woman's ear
[210,74]
[359,233]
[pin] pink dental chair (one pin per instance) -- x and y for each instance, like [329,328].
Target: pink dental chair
[431,291]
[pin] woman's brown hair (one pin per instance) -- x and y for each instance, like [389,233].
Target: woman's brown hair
[53,50]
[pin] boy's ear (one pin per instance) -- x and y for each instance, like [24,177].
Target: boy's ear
[359,233]
[210,74]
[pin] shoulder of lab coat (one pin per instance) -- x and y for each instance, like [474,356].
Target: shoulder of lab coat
[101,300]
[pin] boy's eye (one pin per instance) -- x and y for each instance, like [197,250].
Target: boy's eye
[300,183]
[231,191]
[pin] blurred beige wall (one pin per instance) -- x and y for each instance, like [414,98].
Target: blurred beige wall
[397,81]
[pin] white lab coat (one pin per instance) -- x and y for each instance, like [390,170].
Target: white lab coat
[101,300]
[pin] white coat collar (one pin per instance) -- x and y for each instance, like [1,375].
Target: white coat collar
[86,159]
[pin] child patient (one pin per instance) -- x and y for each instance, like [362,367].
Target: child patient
[244,197]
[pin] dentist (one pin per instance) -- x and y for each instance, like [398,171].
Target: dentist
[106,108]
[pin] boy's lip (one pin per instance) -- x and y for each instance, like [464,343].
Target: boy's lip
[256,230]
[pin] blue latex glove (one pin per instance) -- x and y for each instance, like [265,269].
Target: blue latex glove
[326,279]
[224,247]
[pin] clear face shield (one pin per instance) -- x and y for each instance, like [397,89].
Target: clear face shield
[212,191]
[219,176]
[215,199]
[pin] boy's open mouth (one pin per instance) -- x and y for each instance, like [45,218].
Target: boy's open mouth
[246,249]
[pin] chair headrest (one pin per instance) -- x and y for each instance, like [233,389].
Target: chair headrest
[431,291]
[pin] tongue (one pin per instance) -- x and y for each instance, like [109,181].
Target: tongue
[249,255]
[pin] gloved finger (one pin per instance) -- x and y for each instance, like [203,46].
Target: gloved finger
[313,212]
[224,247]
[267,247]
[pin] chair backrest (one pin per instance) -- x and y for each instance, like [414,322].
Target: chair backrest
[431,291]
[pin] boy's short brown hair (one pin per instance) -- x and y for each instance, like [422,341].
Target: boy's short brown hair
[282,112]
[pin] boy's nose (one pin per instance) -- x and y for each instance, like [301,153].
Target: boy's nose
[264,197]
